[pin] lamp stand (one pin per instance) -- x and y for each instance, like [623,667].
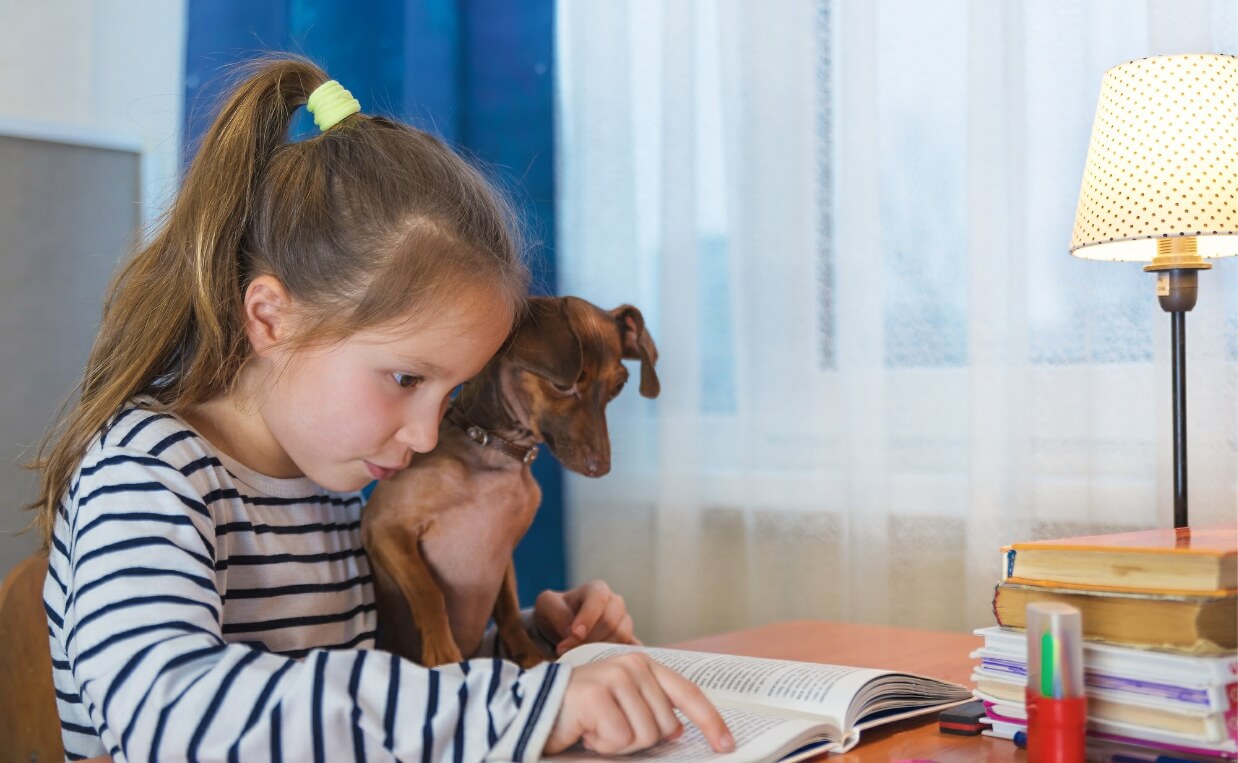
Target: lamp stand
[1177,266]
[1179,384]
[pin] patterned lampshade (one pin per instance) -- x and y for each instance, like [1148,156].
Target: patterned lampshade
[1163,161]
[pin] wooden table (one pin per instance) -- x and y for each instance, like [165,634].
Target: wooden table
[931,653]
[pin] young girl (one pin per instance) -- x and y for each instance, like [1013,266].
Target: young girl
[292,332]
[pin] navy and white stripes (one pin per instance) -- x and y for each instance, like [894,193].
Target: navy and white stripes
[198,610]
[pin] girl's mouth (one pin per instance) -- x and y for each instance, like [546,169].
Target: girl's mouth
[380,472]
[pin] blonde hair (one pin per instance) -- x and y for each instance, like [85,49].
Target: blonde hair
[369,222]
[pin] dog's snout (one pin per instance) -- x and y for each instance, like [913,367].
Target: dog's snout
[595,466]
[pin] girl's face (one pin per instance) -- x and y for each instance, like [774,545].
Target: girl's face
[358,410]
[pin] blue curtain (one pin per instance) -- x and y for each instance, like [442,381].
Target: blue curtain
[478,73]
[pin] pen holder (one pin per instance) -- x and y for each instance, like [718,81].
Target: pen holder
[1057,706]
[1056,728]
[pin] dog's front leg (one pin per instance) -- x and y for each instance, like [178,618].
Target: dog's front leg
[398,553]
[516,640]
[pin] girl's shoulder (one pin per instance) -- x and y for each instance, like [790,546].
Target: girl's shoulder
[144,448]
[142,426]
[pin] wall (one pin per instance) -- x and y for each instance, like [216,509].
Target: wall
[102,74]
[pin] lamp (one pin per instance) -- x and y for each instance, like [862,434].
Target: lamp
[1159,186]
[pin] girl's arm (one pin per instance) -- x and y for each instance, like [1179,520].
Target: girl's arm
[133,604]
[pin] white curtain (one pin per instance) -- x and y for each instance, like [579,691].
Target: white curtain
[846,223]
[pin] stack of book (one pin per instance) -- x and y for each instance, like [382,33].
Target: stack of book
[1160,623]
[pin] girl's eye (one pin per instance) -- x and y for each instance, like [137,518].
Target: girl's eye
[407,381]
[570,390]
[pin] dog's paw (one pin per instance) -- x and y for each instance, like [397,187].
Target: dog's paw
[435,654]
[520,648]
[528,659]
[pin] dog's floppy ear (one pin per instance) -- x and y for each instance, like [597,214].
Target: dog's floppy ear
[546,344]
[638,344]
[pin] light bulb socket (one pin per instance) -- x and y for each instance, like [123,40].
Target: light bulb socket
[1177,264]
[1177,253]
[1177,289]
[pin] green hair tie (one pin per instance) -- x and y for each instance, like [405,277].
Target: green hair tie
[329,103]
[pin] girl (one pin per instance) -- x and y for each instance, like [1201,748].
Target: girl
[293,331]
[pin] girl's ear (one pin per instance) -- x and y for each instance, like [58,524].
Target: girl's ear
[268,315]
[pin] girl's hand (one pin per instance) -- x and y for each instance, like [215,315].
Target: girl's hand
[625,703]
[587,613]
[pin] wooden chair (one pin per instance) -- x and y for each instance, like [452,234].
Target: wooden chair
[29,720]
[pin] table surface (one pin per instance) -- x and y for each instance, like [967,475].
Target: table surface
[930,653]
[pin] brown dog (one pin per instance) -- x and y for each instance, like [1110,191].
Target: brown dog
[440,535]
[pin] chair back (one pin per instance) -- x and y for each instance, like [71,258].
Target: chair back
[29,718]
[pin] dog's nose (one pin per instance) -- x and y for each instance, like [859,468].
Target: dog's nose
[596,466]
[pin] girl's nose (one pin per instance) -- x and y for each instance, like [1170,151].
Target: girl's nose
[419,434]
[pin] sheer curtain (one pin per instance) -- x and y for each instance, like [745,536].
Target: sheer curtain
[846,223]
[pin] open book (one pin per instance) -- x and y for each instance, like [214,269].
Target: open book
[779,710]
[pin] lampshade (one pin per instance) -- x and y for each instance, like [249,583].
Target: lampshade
[1163,160]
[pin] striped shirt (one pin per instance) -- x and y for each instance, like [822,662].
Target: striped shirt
[198,610]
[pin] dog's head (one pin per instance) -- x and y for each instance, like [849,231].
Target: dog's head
[564,365]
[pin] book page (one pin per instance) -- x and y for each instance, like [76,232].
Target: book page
[758,736]
[803,689]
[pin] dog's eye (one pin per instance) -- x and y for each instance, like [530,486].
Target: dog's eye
[407,381]
[569,390]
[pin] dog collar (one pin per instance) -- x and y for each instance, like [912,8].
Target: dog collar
[484,438]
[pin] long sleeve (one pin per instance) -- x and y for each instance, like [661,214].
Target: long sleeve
[137,617]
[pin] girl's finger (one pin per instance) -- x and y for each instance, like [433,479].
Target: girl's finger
[610,730]
[610,621]
[669,726]
[689,698]
[643,724]
[625,634]
[621,634]
[556,614]
[595,596]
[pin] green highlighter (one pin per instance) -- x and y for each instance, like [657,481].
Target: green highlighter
[1056,703]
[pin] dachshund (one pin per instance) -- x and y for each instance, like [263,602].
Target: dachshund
[441,533]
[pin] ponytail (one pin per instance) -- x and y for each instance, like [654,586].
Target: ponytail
[172,323]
